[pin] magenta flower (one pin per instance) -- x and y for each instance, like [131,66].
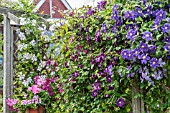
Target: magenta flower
[97,36]
[108,78]
[24,102]
[94,93]
[110,87]
[120,102]
[11,102]
[34,88]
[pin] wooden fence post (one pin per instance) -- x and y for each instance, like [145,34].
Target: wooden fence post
[137,103]
[6,63]
[12,58]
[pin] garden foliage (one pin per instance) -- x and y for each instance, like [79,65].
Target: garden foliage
[104,51]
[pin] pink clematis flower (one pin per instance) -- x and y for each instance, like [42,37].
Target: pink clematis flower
[34,88]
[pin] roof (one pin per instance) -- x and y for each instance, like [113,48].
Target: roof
[66,4]
[52,7]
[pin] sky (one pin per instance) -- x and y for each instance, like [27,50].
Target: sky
[80,3]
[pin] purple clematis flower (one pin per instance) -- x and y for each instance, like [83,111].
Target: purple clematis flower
[130,55]
[101,4]
[165,28]
[97,36]
[152,49]
[148,10]
[154,63]
[120,102]
[144,2]
[131,34]
[88,38]
[76,73]
[96,86]
[90,11]
[161,15]
[147,36]
[143,47]
[118,22]
[113,29]
[130,75]
[115,7]
[127,15]
[167,47]
[129,26]
[146,77]
[104,28]
[108,78]
[124,53]
[139,11]
[110,70]
[94,76]
[166,39]
[94,93]
[144,58]
[157,75]
[156,26]
[92,61]
[135,27]
[98,59]
[136,52]
[115,15]
[161,63]
[133,14]
[107,95]
[110,87]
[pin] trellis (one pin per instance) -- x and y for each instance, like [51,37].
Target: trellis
[8,48]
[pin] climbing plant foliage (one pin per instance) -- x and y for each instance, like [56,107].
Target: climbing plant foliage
[90,62]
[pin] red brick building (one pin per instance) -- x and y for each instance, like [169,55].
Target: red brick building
[52,7]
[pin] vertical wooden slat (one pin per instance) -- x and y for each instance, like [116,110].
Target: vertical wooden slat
[12,50]
[6,64]
[137,103]
[142,106]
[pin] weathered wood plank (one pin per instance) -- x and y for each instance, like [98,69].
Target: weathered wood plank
[12,52]
[5,10]
[13,18]
[137,103]
[6,64]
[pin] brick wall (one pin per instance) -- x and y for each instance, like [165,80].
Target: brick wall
[57,5]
